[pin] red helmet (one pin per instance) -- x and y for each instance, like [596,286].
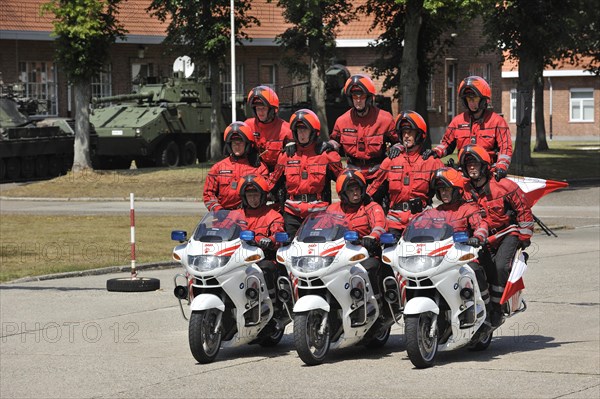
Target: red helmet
[343,181]
[480,155]
[253,183]
[264,95]
[448,177]
[359,83]
[308,118]
[479,87]
[412,120]
[240,129]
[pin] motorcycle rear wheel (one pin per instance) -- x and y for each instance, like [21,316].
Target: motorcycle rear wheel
[204,341]
[420,346]
[274,337]
[379,339]
[481,341]
[312,347]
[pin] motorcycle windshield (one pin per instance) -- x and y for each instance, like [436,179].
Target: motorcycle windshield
[322,227]
[223,225]
[430,226]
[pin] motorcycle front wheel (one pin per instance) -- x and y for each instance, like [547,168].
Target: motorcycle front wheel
[311,345]
[420,346]
[205,342]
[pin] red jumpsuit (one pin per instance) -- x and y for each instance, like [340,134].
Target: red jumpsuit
[270,138]
[407,177]
[263,221]
[465,216]
[220,187]
[306,174]
[490,132]
[363,139]
[366,220]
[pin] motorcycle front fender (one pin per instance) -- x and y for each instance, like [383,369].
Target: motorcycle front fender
[420,305]
[311,302]
[207,301]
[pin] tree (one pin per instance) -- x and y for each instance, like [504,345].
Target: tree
[84,31]
[313,33]
[201,29]
[413,42]
[536,33]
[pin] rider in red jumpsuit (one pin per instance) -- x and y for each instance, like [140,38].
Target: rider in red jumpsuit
[363,131]
[407,176]
[478,125]
[307,171]
[270,131]
[364,216]
[221,186]
[503,203]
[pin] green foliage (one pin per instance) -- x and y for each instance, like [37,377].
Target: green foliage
[313,31]
[201,28]
[84,31]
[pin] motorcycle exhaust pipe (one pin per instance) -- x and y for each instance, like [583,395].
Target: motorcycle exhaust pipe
[180,292]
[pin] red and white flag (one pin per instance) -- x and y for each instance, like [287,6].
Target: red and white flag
[515,280]
[535,188]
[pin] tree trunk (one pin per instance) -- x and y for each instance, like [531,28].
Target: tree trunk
[540,127]
[527,72]
[216,118]
[81,157]
[409,76]
[317,95]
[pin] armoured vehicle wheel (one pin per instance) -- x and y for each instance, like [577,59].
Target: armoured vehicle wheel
[2,169]
[13,168]
[54,165]
[144,163]
[168,155]
[188,153]
[27,167]
[41,166]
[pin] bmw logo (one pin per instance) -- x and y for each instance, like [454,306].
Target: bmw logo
[241,286]
[346,286]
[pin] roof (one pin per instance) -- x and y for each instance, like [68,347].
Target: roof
[510,68]
[20,19]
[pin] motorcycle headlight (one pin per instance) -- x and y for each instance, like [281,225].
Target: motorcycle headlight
[307,264]
[420,263]
[204,263]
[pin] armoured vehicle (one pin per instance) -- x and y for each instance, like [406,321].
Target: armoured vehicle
[163,124]
[31,149]
[336,103]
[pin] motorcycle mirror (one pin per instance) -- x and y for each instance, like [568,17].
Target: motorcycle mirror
[247,235]
[460,236]
[387,238]
[179,235]
[282,237]
[351,236]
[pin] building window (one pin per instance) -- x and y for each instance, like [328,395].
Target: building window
[483,70]
[102,84]
[240,94]
[430,93]
[39,83]
[451,89]
[140,73]
[582,105]
[268,76]
[513,106]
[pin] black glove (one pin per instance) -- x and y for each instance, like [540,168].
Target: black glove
[265,243]
[525,243]
[290,149]
[430,153]
[370,243]
[395,150]
[500,174]
[474,242]
[325,146]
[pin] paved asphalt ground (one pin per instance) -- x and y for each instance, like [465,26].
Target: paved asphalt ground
[72,338]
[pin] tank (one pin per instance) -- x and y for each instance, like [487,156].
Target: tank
[31,149]
[163,124]
[336,103]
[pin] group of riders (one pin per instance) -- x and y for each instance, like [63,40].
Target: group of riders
[277,173]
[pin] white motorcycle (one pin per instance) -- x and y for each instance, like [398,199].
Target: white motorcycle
[225,289]
[443,308]
[334,304]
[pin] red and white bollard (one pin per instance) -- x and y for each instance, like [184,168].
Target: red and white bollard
[132,224]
